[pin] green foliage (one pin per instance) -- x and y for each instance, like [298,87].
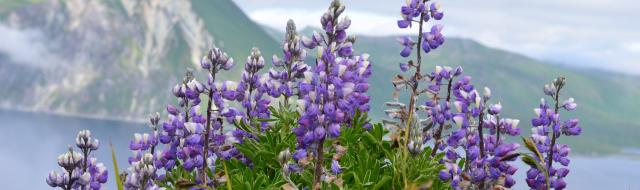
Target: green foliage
[538,161]
[266,171]
[115,167]
[369,162]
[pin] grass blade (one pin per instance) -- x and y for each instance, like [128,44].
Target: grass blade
[115,166]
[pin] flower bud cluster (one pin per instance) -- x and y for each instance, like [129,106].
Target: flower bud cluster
[141,174]
[292,66]
[80,170]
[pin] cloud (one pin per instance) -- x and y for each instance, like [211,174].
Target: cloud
[25,47]
[588,33]
[633,47]
[361,22]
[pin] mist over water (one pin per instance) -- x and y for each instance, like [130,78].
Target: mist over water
[31,142]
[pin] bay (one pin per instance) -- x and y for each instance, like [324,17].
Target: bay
[31,142]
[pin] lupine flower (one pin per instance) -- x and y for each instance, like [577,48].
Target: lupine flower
[408,46]
[431,39]
[195,139]
[434,10]
[333,91]
[251,89]
[292,64]
[80,171]
[410,11]
[547,128]
[487,155]
[141,174]
[335,167]
[404,118]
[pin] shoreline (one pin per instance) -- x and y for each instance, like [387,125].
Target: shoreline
[73,115]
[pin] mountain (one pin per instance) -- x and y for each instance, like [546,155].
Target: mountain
[606,101]
[114,58]
[119,58]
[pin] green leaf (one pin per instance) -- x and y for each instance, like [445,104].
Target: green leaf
[461,163]
[226,172]
[529,161]
[509,157]
[115,167]
[382,181]
[528,142]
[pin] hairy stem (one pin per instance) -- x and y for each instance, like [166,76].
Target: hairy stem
[553,139]
[438,134]
[85,152]
[414,93]
[319,161]
[480,125]
[207,130]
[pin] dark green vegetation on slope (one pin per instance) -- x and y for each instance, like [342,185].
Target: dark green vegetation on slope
[605,100]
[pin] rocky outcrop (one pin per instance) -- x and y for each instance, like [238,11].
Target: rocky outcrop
[100,58]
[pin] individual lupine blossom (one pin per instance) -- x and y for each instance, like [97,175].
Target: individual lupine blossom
[547,129]
[335,89]
[141,174]
[412,12]
[292,64]
[80,170]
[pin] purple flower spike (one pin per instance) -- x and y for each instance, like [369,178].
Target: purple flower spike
[548,127]
[81,169]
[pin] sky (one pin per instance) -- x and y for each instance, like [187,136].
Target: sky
[585,33]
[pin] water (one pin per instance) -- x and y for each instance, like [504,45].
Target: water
[30,144]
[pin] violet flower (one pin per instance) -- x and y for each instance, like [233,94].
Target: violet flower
[404,117]
[333,91]
[292,66]
[251,89]
[547,129]
[487,157]
[80,170]
[141,174]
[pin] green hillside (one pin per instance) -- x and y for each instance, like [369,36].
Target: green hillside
[607,108]
[118,59]
[119,82]
[606,100]
[233,31]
